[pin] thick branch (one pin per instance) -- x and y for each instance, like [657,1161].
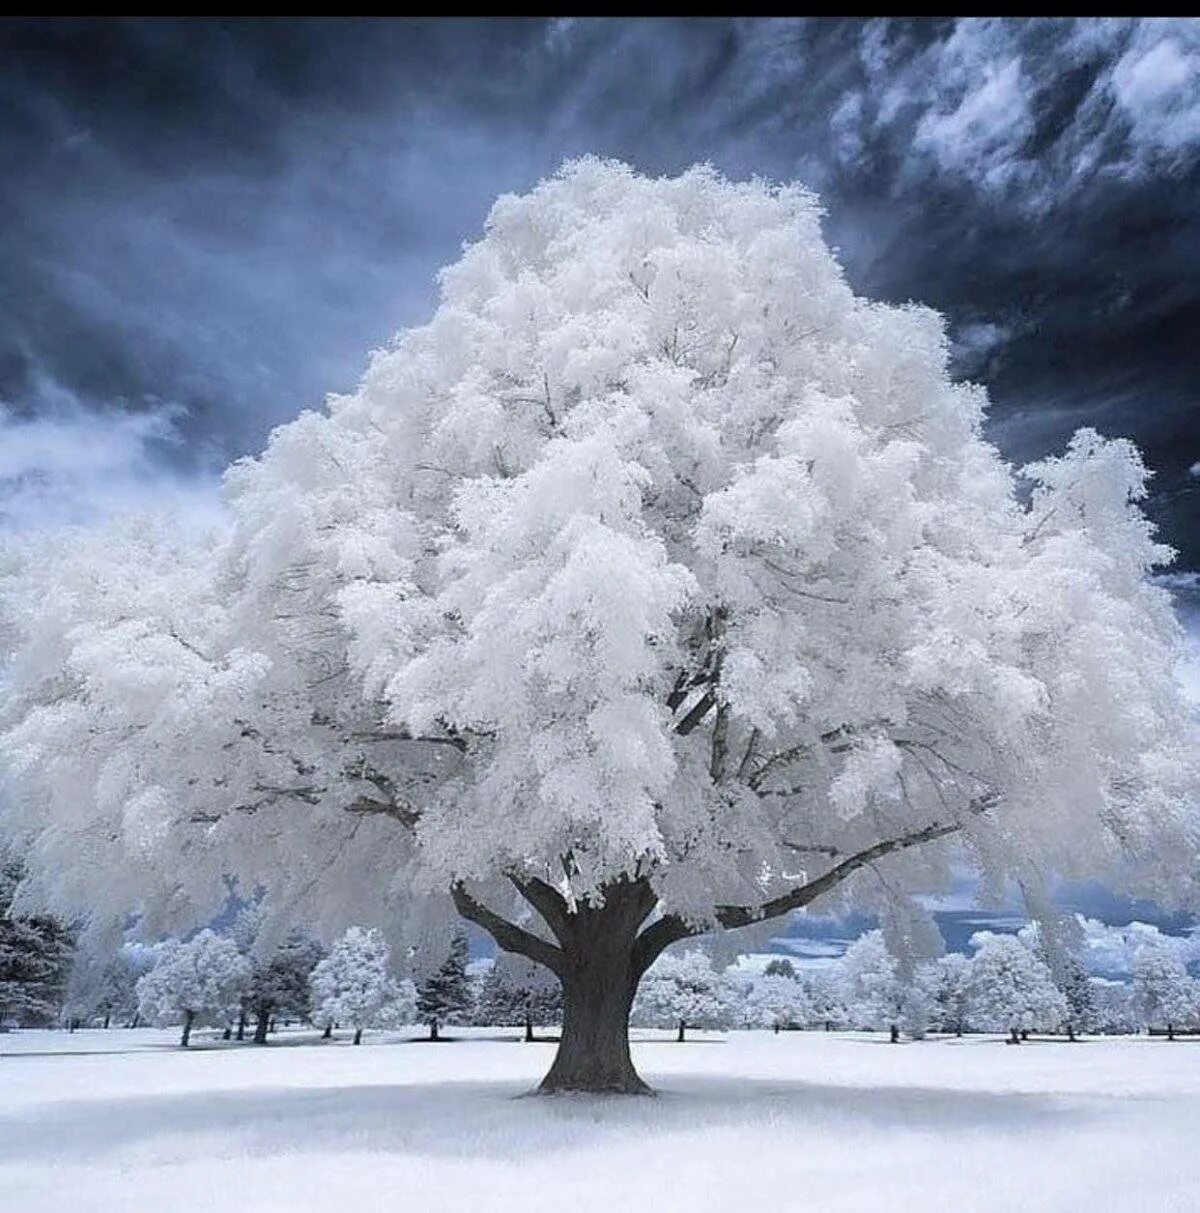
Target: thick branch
[508,935]
[548,902]
[671,928]
[743,916]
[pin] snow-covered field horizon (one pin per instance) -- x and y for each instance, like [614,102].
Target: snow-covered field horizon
[125,1120]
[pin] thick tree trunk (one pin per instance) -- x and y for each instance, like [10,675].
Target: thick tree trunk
[599,980]
[895,1035]
[528,1028]
[107,1020]
[1014,1038]
[241,1032]
[433,1029]
[328,1032]
[358,1036]
[679,1036]
[188,1018]
[262,1021]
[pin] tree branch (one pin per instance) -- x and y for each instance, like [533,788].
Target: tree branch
[548,902]
[671,927]
[508,935]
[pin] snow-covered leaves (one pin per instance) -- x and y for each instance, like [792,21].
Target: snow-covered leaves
[655,552]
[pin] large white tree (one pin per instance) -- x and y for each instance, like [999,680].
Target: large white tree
[658,584]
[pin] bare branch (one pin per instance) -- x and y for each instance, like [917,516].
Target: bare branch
[508,935]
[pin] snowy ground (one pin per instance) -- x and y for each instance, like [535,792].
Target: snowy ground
[121,1120]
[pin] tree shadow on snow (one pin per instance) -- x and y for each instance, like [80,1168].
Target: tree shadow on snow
[483,1119]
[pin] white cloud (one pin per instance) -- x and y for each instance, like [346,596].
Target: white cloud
[68,465]
[1157,84]
[981,135]
[968,104]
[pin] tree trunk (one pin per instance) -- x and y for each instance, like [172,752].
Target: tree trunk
[228,1033]
[1170,1031]
[433,1029]
[599,980]
[358,1036]
[1071,1032]
[188,1018]
[262,1021]
[528,1027]
[895,1035]
[1013,1037]
[679,1038]
[107,1019]
[241,1032]
[328,1033]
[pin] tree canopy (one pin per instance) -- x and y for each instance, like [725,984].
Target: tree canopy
[657,574]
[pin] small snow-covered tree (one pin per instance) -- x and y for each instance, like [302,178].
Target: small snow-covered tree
[871,989]
[945,981]
[104,986]
[682,990]
[201,981]
[1164,994]
[1066,967]
[1114,1011]
[823,990]
[279,983]
[352,984]
[771,1000]
[657,585]
[35,959]
[1010,990]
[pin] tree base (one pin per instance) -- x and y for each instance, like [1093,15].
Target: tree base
[629,1084]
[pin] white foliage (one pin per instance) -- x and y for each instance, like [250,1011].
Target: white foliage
[352,985]
[871,989]
[770,1001]
[683,986]
[1009,987]
[655,548]
[1163,993]
[205,977]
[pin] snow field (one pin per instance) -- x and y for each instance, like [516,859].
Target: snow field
[123,1121]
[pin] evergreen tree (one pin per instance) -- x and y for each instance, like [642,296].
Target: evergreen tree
[35,959]
[780,968]
[516,992]
[279,985]
[445,997]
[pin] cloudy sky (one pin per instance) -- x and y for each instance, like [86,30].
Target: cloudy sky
[208,226]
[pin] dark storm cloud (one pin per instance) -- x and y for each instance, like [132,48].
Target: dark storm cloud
[215,222]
